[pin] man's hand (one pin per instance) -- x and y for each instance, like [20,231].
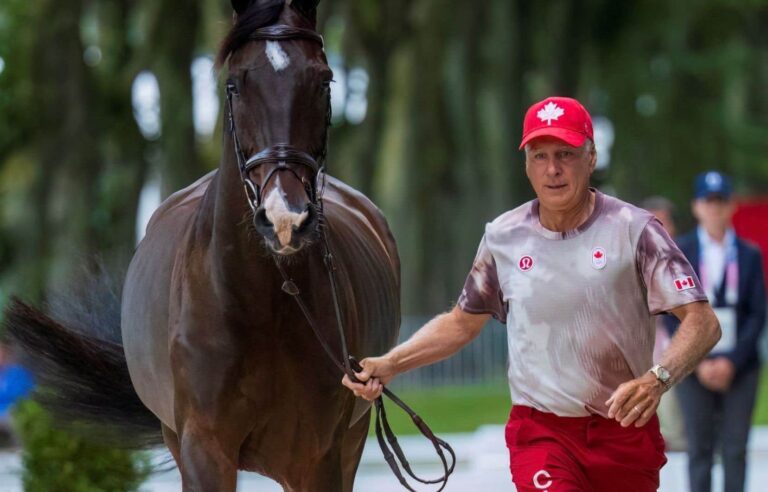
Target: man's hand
[716,374]
[377,371]
[724,371]
[635,401]
[705,374]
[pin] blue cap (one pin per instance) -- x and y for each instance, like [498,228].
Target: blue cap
[712,183]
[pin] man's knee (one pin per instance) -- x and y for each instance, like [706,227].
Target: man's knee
[734,451]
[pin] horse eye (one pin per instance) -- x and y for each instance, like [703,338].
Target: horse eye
[327,76]
[232,87]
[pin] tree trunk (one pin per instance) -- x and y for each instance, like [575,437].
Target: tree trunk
[68,136]
[172,42]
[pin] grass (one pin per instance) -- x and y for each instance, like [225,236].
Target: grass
[760,416]
[451,409]
[465,408]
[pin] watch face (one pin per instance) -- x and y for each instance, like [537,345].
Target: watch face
[662,374]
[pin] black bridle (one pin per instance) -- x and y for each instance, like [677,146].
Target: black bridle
[284,156]
[287,157]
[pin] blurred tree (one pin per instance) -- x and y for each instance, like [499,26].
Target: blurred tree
[171,46]
[66,136]
[124,149]
[448,84]
[23,249]
[373,32]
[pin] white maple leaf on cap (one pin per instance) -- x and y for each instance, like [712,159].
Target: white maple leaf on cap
[549,112]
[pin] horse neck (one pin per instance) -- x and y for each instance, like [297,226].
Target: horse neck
[233,242]
[242,267]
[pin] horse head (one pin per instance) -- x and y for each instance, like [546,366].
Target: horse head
[278,89]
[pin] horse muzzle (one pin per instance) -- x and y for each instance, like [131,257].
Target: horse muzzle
[285,231]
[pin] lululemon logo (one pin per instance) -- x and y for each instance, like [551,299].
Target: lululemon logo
[525,263]
[542,484]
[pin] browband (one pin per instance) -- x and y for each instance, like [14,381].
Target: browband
[282,32]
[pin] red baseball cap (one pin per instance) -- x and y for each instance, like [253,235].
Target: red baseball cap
[560,117]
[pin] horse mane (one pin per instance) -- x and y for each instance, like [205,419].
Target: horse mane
[259,13]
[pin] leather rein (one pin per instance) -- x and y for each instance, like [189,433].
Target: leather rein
[289,158]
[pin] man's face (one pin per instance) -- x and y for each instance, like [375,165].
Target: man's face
[713,212]
[558,172]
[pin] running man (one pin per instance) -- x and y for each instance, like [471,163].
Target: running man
[576,275]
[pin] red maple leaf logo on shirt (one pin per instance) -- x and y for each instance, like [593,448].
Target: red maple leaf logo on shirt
[598,254]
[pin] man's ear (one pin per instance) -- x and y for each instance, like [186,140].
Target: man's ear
[593,161]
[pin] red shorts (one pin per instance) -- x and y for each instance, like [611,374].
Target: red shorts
[548,453]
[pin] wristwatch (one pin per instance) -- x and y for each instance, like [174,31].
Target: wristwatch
[662,374]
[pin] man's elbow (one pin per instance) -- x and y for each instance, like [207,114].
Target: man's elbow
[713,331]
[467,325]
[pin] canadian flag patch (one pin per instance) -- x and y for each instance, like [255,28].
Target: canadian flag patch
[684,283]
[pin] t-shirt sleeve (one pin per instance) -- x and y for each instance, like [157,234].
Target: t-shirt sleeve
[668,276]
[482,293]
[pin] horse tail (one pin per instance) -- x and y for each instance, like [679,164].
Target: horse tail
[80,372]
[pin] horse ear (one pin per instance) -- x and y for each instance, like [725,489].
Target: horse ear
[240,5]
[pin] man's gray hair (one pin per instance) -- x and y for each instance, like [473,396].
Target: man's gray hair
[588,146]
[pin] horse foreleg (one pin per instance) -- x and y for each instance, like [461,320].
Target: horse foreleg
[352,449]
[208,461]
[323,476]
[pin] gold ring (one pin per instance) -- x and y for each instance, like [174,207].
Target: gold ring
[637,409]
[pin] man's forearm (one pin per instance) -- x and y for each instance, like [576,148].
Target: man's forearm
[697,334]
[441,337]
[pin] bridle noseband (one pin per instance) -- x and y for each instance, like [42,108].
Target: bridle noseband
[285,156]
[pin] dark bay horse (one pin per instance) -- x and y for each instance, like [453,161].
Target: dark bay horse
[222,358]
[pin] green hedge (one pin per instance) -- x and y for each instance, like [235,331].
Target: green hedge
[55,460]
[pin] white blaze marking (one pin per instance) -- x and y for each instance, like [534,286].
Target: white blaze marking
[277,56]
[283,220]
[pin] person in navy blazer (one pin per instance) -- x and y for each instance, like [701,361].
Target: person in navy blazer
[717,399]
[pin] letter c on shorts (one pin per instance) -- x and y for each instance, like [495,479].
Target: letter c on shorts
[538,484]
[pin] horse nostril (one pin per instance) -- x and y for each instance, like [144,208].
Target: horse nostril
[308,224]
[261,222]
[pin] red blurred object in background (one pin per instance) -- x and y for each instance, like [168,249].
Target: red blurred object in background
[751,223]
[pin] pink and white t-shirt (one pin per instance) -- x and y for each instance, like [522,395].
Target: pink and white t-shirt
[578,304]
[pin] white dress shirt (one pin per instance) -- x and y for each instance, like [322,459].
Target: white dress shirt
[714,255]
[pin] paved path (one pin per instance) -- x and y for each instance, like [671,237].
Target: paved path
[482,466]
